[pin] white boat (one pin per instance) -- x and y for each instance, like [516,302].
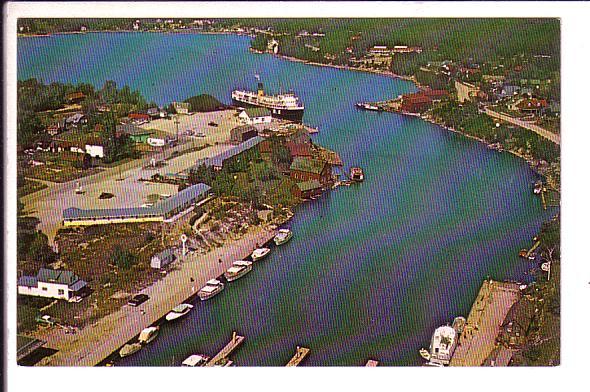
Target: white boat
[459,324]
[129,349]
[442,346]
[237,270]
[148,334]
[196,360]
[283,236]
[179,311]
[260,253]
[425,354]
[211,289]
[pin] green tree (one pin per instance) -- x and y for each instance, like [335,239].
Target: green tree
[123,259]
[39,249]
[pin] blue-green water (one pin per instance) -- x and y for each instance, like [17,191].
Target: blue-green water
[372,269]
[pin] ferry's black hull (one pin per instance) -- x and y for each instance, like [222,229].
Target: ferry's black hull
[291,115]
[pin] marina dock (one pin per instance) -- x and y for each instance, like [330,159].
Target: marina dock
[299,356]
[489,310]
[234,343]
[372,363]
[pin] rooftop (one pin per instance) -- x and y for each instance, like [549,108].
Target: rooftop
[308,165]
[309,185]
[217,160]
[257,112]
[132,129]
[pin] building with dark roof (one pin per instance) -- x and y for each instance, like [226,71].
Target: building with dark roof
[137,134]
[218,160]
[305,169]
[50,283]
[307,189]
[242,133]
[163,258]
[26,346]
[163,209]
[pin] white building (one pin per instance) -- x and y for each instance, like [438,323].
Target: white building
[162,259]
[181,107]
[51,284]
[252,116]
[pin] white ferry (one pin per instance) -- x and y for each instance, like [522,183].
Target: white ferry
[260,254]
[286,106]
[211,289]
[237,270]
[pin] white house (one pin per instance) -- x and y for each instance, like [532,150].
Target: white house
[162,259]
[95,150]
[158,140]
[51,284]
[181,107]
[252,116]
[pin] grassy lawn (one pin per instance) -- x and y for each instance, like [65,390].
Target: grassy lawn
[30,186]
[58,172]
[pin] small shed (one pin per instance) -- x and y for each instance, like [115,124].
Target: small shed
[242,133]
[162,259]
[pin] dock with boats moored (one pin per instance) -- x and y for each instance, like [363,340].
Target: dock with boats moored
[234,343]
[299,356]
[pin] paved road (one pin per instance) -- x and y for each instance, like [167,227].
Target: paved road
[555,138]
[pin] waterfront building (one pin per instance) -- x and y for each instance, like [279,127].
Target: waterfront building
[218,160]
[415,103]
[306,169]
[255,115]
[242,133]
[50,283]
[163,258]
[299,149]
[307,189]
[163,209]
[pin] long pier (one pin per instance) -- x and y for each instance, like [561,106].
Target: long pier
[235,341]
[299,356]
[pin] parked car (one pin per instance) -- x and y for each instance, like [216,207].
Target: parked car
[200,134]
[213,124]
[138,299]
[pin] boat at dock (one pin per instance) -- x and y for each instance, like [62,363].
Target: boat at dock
[286,106]
[211,289]
[196,360]
[442,345]
[283,236]
[260,253]
[129,349]
[459,324]
[148,334]
[368,106]
[237,270]
[356,174]
[179,311]
[424,354]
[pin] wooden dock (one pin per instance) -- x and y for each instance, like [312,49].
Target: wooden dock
[300,354]
[372,363]
[235,341]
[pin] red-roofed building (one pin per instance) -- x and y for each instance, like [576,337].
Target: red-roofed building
[299,149]
[415,103]
[532,105]
[435,95]
[139,117]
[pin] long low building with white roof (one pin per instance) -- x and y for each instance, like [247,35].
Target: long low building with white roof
[160,211]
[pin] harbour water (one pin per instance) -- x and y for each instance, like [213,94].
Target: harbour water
[373,268]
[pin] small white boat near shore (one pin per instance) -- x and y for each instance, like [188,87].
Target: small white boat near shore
[196,360]
[148,334]
[425,354]
[237,270]
[283,236]
[260,253]
[179,311]
[211,289]
[129,349]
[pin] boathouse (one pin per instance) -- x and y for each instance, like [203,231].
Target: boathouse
[305,169]
[50,283]
[307,189]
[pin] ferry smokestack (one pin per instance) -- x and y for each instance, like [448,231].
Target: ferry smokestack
[260,89]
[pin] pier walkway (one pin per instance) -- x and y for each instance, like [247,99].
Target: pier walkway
[235,341]
[489,310]
[299,356]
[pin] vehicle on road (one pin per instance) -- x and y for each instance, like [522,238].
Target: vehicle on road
[138,299]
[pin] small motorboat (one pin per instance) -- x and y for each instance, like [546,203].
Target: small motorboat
[356,174]
[283,236]
[179,311]
[211,289]
[260,253]
[129,349]
[196,360]
[425,354]
[237,270]
[148,334]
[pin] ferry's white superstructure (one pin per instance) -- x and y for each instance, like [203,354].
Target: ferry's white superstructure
[287,106]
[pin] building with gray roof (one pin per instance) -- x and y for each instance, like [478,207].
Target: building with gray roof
[217,161]
[51,283]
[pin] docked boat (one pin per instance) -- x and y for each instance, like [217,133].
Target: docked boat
[538,188]
[260,254]
[196,360]
[286,106]
[443,344]
[368,106]
[283,236]
[459,324]
[179,311]
[425,354]
[129,349]
[237,270]
[148,334]
[356,174]
[211,289]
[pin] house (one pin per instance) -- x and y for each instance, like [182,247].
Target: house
[76,119]
[272,46]
[158,139]
[50,283]
[465,91]
[136,134]
[181,107]
[415,103]
[153,112]
[435,95]
[307,189]
[299,149]
[139,118]
[380,49]
[532,105]
[406,49]
[163,258]
[79,142]
[76,97]
[256,115]
[242,133]
[515,328]
[306,169]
